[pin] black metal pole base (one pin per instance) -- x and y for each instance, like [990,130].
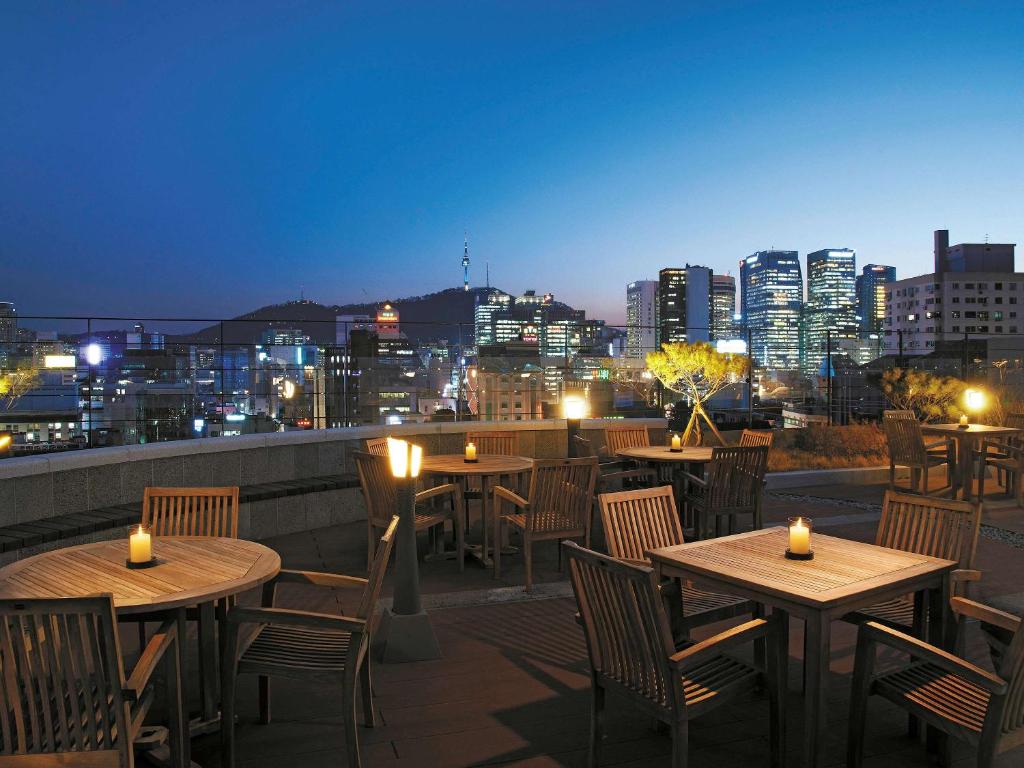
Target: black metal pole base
[407,638]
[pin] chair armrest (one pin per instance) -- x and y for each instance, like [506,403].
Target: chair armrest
[626,474]
[972,609]
[501,492]
[164,638]
[937,444]
[920,650]
[738,635]
[964,574]
[241,615]
[691,478]
[319,579]
[437,490]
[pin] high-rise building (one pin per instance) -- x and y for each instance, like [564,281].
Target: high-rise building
[8,331]
[723,307]
[831,307]
[484,322]
[974,292]
[872,283]
[641,316]
[684,304]
[771,297]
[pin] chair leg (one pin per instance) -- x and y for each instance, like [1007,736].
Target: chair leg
[528,558]
[371,543]
[859,693]
[596,722]
[264,699]
[680,744]
[351,730]
[369,716]
[460,541]
[776,693]
[177,721]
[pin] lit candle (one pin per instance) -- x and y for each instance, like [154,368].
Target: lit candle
[799,538]
[963,420]
[677,444]
[140,547]
[470,452]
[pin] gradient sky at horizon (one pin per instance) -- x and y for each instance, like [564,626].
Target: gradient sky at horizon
[201,159]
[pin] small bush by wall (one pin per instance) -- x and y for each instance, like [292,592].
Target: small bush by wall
[824,447]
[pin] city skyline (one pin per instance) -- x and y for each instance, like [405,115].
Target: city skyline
[226,161]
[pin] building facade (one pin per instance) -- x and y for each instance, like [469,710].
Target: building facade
[641,318]
[723,307]
[830,311]
[684,304]
[771,298]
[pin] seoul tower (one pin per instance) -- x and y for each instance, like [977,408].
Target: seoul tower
[465,262]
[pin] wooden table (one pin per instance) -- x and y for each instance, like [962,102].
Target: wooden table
[967,441]
[487,467]
[844,575]
[686,458]
[189,571]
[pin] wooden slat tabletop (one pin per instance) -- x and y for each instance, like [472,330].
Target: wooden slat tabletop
[663,453]
[486,464]
[190,570]
[840,569]
[971,430]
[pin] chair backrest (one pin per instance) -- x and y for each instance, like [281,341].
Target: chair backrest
[628,635]
[62,681]
[378,487]
[636,521]
[495,443]
[562,494]
[753,437]
[375,576]
[1010,667]
[930,526]
[905,439]
[735,476]
[617,438]
[378,446]
[191,511]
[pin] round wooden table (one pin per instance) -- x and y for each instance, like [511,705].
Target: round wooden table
[690,454]
[488,467]
[190,571]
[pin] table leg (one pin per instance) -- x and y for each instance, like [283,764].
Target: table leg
[208,662]
[186,744]
[818,645]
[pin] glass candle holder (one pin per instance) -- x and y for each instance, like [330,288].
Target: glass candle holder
[140,547]
[799,539]
[676,446]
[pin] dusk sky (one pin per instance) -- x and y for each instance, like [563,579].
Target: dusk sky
[206,159]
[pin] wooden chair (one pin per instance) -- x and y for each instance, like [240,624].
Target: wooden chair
[753,437]
[641,520]
[191,511]
[1006,456]
[64,700]
[615,472]
[558,506]
[733,485]
[495,443]
[632,654]
[378,446]
[947,692]
[907,448]
[379,493]
[324,649]
[924,526]
[617,438]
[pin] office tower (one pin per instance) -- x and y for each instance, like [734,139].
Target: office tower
[831,308]
[871,286]
[723,307]
[684,304]
[771,298]
[641,315]
[484,313]
[974,291]
[8,331]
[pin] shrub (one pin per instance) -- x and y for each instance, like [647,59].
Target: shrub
[824,447]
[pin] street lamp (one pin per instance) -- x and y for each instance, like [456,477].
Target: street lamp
[574,409]
[406,628]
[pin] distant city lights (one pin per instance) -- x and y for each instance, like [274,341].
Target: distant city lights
[94,354]
[59,361]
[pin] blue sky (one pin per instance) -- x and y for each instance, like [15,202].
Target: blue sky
[166,158]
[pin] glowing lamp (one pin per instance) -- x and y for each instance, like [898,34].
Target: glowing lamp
[974,399]
[288,390]
[405,458]
[574,408]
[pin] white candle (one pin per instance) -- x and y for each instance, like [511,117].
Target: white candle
[470,452]
[799,538]
[140,547]
[677,444]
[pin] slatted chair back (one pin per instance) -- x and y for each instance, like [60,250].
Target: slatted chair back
[378,446]
[375,576]
[561,494]
[735,476]
[378,487]
[191,511]
[628,635]
[930,526]
[1010,667]
[495,443]
[62,683]
[905,438]
[637,521]
[617,438]
[753,437]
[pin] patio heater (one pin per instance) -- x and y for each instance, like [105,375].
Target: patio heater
[405,627]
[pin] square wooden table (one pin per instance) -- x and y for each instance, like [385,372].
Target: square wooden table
[967,440]
[843,576]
